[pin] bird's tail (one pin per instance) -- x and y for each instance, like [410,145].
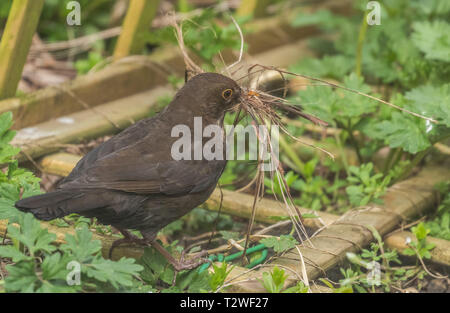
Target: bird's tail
[47,206]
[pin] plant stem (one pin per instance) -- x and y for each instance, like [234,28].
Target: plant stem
[292,155]
[388,160]
[342,152]
[416,160]
[354,143]
[397,155]
[361,36]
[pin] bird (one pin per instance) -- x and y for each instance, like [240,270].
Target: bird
[132,180]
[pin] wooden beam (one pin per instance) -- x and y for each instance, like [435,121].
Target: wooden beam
[22,21]
[105,119]
[350,233]
[255,8]
[135,26]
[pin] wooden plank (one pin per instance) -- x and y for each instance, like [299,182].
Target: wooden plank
[440,254]
[255,8]
[105,119]
[350,233]
[240,204]
[114,82]
[16,41]
[60,164]
[135,26]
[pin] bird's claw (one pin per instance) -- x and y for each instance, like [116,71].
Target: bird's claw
[183,264]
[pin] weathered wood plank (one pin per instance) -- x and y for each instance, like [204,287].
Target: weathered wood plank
[105,119]
[135,26]
[114,82]
[255,8]
[16,41]
[350,232]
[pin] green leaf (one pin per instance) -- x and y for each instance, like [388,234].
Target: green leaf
[13,253]
[284,243]
[21,277]
[433,39]
[404,132]
[431,101]
[81,246]
[330,66]
[119,273]
[273,281]
[32,235]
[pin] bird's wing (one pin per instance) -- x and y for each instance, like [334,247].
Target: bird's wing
[142,165]
[165,177]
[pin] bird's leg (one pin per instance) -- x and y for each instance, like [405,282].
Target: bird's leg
[128,238]
[182,264]
[179,265]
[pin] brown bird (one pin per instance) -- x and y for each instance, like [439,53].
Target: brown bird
[132,181]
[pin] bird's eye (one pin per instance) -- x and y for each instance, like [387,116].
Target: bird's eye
[226,94]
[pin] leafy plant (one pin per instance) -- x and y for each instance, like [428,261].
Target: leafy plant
[219,275]
[420,247]
[281,244]
[409,54]
[160,274]
[40,267]
[204,35]
[274,281]
[83,66]
[439,225]
[373,269]
[364,186]
[38,263]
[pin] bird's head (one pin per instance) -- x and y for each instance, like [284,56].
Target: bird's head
[210,95]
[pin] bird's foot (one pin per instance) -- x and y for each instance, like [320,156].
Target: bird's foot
[183,263]
[191,263]
[128,238]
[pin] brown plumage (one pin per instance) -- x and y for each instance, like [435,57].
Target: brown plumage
[132,182]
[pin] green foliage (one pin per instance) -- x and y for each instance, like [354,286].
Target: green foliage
[83,66]
[40,267]
[433,39]
[439,225]
[276,186]
[340,110]
[420,247]
[343,289]
[373,269]
[330,66]
[281,244]
[409,51]
[14,181]
[160,274]
[219,275]
[53,21]
[365,187]
[273,281]
[203,35]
